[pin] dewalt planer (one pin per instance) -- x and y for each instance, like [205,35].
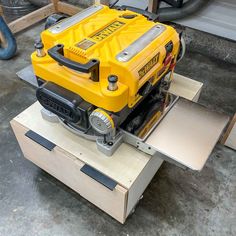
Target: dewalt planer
[105,73]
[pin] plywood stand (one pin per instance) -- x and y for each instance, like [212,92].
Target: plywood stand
[114,184]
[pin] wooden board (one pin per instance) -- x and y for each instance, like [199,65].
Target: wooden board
[153,5]
[229,138]
[55,4]
[32,18]
[1,11]
[141,183]
[186,88]
[67,8]
[40,14]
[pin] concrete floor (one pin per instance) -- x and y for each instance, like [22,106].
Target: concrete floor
[177,202]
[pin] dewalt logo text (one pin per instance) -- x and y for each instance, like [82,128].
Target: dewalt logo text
[149,66]
[110,29]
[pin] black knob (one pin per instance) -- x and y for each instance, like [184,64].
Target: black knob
[113,79]
[38,44]
[129,16]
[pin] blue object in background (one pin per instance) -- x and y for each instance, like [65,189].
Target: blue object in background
[9,50]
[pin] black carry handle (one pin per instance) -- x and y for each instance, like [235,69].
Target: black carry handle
[57,53]
[149,15]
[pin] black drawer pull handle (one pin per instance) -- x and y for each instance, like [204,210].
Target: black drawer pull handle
[99,177]
[40,140]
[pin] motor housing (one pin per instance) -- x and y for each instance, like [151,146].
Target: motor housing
[65,104]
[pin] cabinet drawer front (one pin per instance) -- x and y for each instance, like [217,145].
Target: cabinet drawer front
[67,169]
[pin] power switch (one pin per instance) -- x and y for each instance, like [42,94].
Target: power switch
[169,47]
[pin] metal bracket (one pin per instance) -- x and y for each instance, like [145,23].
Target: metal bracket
[145,148]
[111,146]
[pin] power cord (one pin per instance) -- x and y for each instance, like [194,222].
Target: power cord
[113,4]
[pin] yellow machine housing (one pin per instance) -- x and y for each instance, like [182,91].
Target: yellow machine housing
[138,51]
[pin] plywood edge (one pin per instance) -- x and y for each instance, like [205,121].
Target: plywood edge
[229,130]
[55,2]
[142,181]
[185,87]
[191,82]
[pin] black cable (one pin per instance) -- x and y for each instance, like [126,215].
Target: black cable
[188,8]
[113,4]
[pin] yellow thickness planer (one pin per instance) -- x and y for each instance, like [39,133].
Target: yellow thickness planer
[106,72]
